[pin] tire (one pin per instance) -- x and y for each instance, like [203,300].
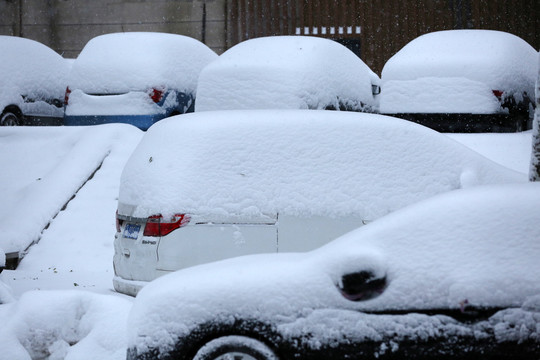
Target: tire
[10,119]
[235,348]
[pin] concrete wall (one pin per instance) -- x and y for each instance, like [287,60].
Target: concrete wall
[67,25]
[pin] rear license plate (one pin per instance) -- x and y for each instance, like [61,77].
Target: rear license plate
[131,231]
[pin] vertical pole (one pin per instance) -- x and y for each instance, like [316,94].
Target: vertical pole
[203,30]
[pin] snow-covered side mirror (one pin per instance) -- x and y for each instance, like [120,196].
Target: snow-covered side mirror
[361,286]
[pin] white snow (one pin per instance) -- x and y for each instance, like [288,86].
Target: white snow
[345,164]
[455,71]
[64,325]
[476,246]
[74,256]
[29,68]
[42,169]
[287,72]
[120,62]
[512,150]
[83,321]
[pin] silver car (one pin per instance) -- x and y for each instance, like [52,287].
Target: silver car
[213,185]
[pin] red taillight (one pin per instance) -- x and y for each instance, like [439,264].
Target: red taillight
[156,95]
[156,226]
[498,93]
[118,223]
[66,95]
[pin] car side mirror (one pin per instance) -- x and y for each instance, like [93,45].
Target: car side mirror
[361,286]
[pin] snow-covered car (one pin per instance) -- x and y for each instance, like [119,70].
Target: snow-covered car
[135,78]
[212,185]
[288,72]
[451,277]
[33,83]
[462,81]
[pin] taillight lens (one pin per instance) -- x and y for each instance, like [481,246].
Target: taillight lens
[118,223]
[66,95]
[156,226]
[498,93]
[156,95]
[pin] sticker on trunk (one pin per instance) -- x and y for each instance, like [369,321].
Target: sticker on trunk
[131,231]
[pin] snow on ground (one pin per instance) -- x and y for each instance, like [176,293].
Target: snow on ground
[85,229]
[76,251]
[45,167]
[512,150]
[64,325]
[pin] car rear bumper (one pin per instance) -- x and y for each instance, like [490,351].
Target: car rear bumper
[37,120]
[128,287]
[143,122]
[467,123]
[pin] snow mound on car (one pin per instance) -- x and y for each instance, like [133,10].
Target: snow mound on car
[122,62]
[456,70]
[29,68]
[301,163]
[295,72]
[471,247]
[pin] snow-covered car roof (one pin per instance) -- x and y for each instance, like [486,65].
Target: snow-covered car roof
[287,72]
[297,162]
[121,62]
[472,247]
[28,67]
[499,59]
[456,71]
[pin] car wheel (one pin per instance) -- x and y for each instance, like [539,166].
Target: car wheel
[235,348]
[10,119]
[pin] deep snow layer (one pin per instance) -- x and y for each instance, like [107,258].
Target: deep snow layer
[30,68]
[120,62]
[297,162]
[455,71]
[77,249]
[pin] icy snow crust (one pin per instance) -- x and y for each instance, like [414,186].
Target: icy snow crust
[455,71]
[295,162]
[287,72]
[122,62]
[29,68]
[477,246]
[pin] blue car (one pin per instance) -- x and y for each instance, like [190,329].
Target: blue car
[134,78]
